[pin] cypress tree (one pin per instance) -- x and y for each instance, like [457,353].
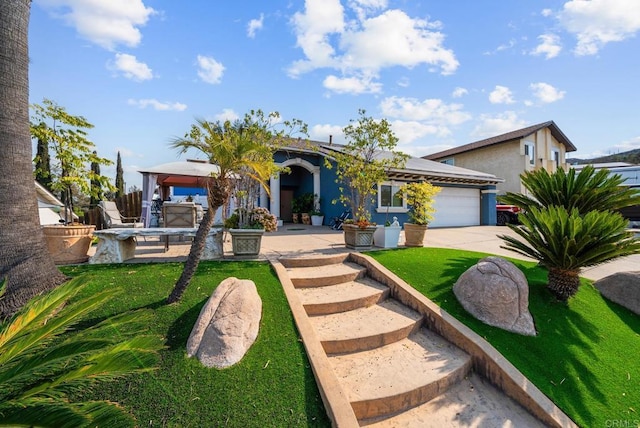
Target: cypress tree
[43,164]
[119,178]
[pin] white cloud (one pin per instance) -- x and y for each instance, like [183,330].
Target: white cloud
[210,70]
[107,23]
[549,46]
[501,95]
[322,133]
[459,92]
[546,12]
[227,114]
[434,111]
[131,68]
[491,126]
[410,131]
[363,40]
[546,93]
[598,22]
[255,25]
[157,105]
[352,85]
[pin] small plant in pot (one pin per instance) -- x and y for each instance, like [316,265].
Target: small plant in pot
[420,198]
[72,173]
[360,165]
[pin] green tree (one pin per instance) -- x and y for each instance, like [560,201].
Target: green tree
[26,266]
[73,152]
[96,188]
[569,223]
[41,362]
[119,177]
[43,164]
[243,148]
[364,162]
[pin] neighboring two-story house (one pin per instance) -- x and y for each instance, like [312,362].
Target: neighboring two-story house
[508,155]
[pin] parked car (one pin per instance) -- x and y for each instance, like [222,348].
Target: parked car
[507,214]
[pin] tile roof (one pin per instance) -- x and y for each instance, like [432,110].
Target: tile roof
[509,136]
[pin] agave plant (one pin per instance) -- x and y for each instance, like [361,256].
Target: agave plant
[587,191]
[564,242]
[42,361]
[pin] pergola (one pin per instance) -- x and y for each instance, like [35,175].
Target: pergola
[190,173]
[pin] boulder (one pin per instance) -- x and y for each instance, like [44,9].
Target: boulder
[228,324]
[622,288]
[496,292]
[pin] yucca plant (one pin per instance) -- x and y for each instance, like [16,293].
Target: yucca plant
[564,242]
[585,191]
[42,362]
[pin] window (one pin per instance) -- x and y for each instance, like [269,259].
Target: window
[447,161]
[555,156]
[390,199]
[530,151]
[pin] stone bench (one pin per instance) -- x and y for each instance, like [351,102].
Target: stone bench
[118,245]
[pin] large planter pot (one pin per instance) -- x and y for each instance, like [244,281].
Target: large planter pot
[246,242]
[387,236]
[358,238]
[68,244]
[317,220]
[414,234]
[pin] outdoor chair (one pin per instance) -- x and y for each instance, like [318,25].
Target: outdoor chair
[113,219]
[178,214]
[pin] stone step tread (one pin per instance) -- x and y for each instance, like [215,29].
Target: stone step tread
[399,368]
[473,402]
[310,261]
[386,316]
[361,288]
[318,276]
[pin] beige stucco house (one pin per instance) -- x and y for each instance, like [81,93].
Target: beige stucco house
[508,155]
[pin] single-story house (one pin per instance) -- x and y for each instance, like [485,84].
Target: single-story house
[541,146]
[468,197]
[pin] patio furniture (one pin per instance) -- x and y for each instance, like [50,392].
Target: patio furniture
[178,215]
[112,218]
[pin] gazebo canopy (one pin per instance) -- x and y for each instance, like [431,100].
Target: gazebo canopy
[190,173]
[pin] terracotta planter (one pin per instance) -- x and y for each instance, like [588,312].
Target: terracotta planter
[387,236]
[414,234]
[358,238]
[246,242]
[295,217]
[306,218]
[68,244]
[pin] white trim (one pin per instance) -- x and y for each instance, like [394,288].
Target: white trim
[275,182]
[384,209]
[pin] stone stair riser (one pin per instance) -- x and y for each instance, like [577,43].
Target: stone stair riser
[369,342]
[327,280]
[349,305]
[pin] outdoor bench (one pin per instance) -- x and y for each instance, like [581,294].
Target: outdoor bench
[118,245]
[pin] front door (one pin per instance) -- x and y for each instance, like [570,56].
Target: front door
[286,198]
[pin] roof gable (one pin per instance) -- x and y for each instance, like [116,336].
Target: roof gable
[504,138]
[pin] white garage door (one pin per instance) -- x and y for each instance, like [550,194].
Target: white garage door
[457,207]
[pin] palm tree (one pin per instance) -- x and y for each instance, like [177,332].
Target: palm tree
[240,148]
[564,242]
[25,263]
[569,222]
[41,362]
[589,190]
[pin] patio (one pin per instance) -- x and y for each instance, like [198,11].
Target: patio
[297,240]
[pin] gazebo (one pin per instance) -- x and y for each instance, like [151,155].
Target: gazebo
[189,173]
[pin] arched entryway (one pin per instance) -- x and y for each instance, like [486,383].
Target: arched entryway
[304,177]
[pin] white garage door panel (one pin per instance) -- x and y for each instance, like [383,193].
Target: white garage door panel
[457,207]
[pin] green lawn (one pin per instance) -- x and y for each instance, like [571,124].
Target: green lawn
[586,356]
[273,386]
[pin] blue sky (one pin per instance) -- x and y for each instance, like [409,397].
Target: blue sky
[444,73]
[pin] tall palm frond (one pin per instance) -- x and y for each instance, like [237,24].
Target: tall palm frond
[42,361]
[585,191]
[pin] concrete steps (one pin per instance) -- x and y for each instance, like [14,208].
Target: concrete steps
[391,369]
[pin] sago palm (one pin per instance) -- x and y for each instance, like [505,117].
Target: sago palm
[585,191]
[564,242]
[42,362]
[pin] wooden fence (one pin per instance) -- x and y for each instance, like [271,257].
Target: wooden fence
[129,205]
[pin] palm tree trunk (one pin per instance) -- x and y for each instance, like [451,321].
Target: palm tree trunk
[563,283]
[26,267]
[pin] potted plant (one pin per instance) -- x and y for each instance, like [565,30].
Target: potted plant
[295,208]
[71,175]
[306,207]
[387,236]
[360,165]
[420,198]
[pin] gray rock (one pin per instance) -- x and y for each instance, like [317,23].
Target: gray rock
[622,288]
[228,324]
[496,292]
